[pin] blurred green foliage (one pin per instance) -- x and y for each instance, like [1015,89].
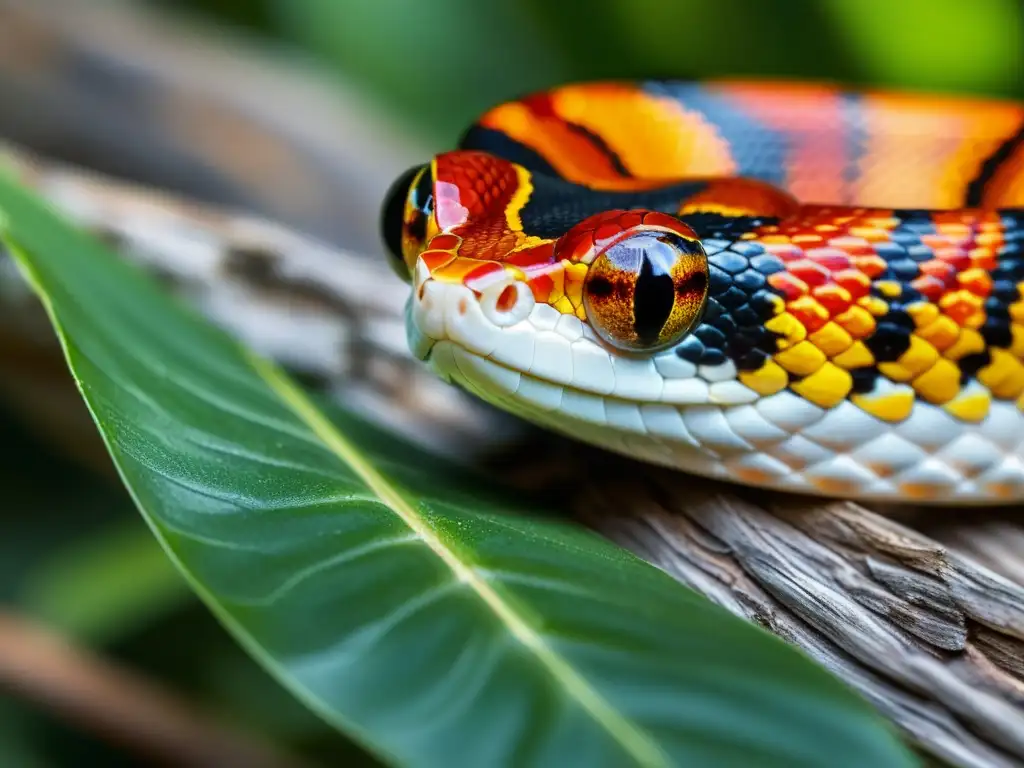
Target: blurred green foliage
[437,64]
[75,554]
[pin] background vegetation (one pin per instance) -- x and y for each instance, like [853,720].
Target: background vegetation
[99,577]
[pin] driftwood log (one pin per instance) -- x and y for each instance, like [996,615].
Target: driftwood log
[922,610]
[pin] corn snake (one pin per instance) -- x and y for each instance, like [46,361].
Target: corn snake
[782,285]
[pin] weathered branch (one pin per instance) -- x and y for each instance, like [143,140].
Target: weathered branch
[933,637]
[110,702]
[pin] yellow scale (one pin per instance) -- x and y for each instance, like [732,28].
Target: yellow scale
[927,370]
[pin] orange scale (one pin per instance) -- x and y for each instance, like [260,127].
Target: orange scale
[955,241]
[434,260]
[871,234]
[876,306]
[977,281]
[992,239]
[458,269]
[884,221]
[857,321]
[810,272]
[791,286]
[807,238]
[855,282]
[834,298]
[961,306]
[574,246]
[657,219]
[872,265]
[936,241]
[785,252]
[955,227]
[607,231]
[445,242]
[942,271]
[542,285]
[955,257]
[854,246]
[809,312]
[630,219]
[982,258]
[532,257]
[832,259]
[930,287]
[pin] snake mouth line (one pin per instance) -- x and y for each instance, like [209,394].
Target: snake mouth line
[428,358]
[507,371]
[545,347]
[585,375]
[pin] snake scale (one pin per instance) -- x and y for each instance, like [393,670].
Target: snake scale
[783,285]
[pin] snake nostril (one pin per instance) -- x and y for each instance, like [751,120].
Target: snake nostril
[463,306]
[507,299]
[506,303]
[420,293]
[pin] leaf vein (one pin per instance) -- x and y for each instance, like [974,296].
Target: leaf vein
[342,558]
[354,645]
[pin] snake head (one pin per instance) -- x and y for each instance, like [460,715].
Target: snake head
[570,313]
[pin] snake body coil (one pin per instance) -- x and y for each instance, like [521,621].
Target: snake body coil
[781,285]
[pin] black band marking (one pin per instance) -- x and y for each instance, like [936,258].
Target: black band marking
[991,166]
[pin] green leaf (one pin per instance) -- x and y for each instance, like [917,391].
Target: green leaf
[437,622]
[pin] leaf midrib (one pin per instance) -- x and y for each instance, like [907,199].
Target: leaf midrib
[632,739]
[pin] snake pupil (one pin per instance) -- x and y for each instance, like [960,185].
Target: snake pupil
[600,287]
[654,296]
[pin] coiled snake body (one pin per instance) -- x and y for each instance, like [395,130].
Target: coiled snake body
[781,285]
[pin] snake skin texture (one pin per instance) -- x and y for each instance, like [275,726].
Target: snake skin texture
[860,330]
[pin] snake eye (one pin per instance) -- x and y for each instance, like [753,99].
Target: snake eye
[646,290]
[405,217]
